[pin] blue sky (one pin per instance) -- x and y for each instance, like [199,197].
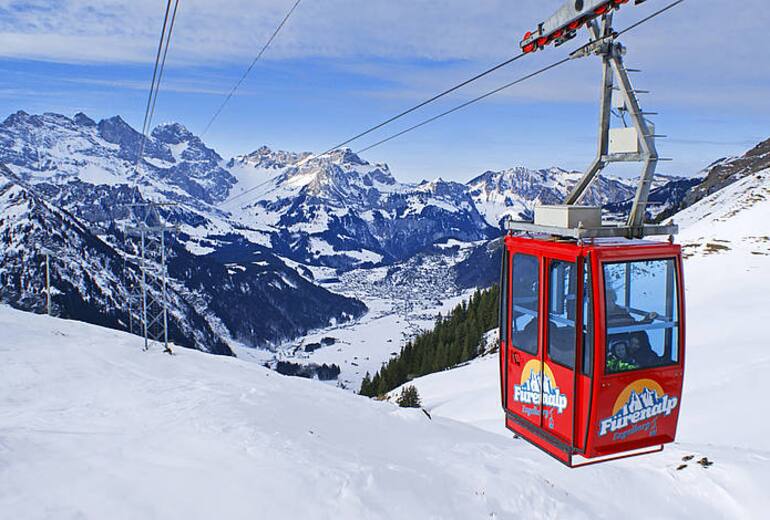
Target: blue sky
[341,66]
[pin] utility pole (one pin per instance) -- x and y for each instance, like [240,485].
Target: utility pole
[152,293]
[47,253]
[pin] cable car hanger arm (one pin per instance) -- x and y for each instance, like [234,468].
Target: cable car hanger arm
[634,144]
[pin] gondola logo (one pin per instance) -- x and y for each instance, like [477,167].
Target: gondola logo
[538,386]
[639,402]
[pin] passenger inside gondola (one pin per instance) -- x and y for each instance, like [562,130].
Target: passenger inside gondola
[628,350]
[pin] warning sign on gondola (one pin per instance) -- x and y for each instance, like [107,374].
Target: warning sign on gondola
[637,408]
[538,387]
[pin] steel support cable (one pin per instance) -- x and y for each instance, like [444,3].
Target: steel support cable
[463,105]
[648,18]
[152,84]
[516,82]
[392,119]
[157,75]
[155,69]
[248,70]
[466,104]
[163,63]
[421,105]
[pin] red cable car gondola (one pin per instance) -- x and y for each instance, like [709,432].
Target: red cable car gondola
[592,348]
[592,316]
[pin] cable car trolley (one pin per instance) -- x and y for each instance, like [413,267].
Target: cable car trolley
[592,315]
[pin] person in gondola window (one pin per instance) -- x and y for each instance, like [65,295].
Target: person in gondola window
[629,350]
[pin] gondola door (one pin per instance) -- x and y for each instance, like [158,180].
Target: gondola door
[560,340]
[522,363]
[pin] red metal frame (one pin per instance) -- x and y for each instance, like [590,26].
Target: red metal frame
[572,428]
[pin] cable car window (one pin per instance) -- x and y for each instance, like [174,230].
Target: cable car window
[562,312]
[525,287]
[588,320]
[642,315]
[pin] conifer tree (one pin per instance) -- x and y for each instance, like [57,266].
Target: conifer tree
[409,397]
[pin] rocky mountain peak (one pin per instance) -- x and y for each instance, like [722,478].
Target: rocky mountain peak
[83,120]
[17,118]
[116,131]
[343,156]
[265,157]
[173,133]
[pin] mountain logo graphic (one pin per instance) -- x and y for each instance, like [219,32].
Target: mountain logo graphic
[641,400]
[538,387]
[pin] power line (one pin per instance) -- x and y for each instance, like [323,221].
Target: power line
[152,84]
[248,71]
[163,63]
[648,18]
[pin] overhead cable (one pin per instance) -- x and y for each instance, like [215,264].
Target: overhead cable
[512,83]
[157,75]
[461,106]
[248,70]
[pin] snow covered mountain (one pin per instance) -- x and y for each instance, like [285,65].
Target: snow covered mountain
[343,212]
[255,229]
[223,268]
[515,192]
[730,222]
[667,196]
[90,280]
[88,169]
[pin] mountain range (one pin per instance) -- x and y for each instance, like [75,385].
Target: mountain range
[252,229]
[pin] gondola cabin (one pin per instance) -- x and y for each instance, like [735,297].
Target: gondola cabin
[592,345]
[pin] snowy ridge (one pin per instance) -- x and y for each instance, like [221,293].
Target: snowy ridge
[59,158]
[341,211]
[515,192]
[732,215]
[726,171]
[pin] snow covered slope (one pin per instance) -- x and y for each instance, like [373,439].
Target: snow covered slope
[731,169]
[89,279]
[92,427]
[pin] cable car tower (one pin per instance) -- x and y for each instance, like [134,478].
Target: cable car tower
[592,316]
